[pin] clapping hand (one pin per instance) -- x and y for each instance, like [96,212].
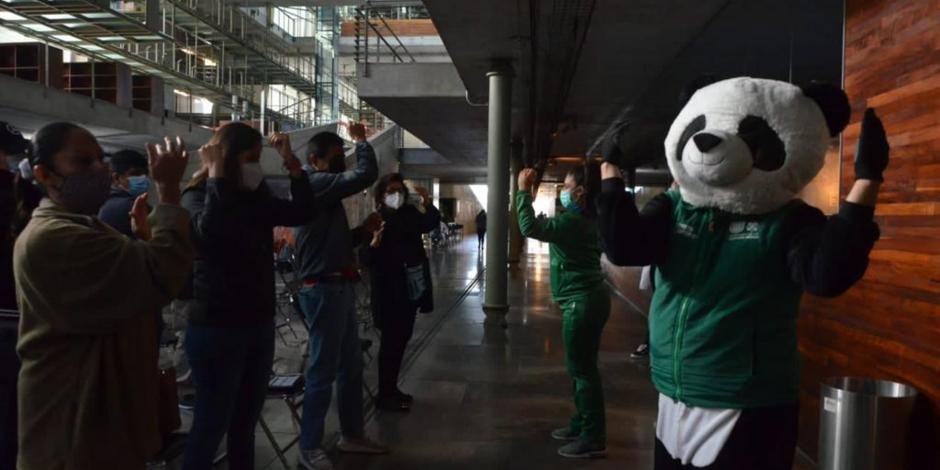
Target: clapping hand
[527,179]
[377,236]
[139,213]
[167,165]
[425,196]
[357,131]
[281,143]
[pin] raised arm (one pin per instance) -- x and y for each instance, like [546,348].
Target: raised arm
[545,229]
[828,256]
[631,237]
[331,188]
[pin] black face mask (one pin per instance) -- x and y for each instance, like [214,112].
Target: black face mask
[337,164]
[85,193]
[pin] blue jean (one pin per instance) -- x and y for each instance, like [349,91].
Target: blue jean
[335,356]
[231,369]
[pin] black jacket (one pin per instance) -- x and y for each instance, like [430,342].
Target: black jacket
[233,274]
[401,246]
[116,211]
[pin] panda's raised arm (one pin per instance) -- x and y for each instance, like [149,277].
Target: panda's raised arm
[827,255]
[632,237]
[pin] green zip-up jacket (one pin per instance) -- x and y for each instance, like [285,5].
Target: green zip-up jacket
[723,319]
[574,248]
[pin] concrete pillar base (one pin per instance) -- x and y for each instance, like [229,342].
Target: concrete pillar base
[496,315]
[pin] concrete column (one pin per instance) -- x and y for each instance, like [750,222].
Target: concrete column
[495,302]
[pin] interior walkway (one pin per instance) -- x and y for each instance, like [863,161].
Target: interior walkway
[488,397]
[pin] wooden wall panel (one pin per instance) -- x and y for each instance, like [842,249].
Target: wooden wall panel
[888,326]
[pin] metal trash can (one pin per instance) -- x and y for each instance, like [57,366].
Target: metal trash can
[864,424]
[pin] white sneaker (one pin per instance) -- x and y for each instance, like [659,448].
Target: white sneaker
[362,445]
[315,459]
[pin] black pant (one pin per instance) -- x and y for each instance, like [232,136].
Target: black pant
[9,372]
[762,439]
[480,237]
[397,326]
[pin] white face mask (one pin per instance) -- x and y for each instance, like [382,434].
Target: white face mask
[394,200]
[252,175]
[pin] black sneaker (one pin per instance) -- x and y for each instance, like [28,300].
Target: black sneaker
[564,434]
[187,401]
[408,399]
[583,449]
[641,352]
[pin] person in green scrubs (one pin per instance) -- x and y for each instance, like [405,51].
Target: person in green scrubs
[578,287]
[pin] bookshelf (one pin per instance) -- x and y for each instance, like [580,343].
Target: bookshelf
[147,94]
[107,81]
[27,61]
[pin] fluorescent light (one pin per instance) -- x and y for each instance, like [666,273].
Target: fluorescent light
[209,62]
[180,92]
[91,47]
[59,16]
[112,55]
[66,38]
[97,16]
[112,38]
[7,16]
[152,37]
[39,28]
[75,25]
[187,50]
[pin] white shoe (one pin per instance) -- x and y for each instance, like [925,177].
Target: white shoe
[315,459]
[362,445]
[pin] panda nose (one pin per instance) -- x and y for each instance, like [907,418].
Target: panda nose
[705,141]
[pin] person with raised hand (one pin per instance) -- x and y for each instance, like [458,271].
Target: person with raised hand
[327,265]
[579,289]
[87,294]
[230,336]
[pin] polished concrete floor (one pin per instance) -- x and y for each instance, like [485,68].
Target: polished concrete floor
[488,397]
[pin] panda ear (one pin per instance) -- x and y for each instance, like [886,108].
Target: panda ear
[694,85]
[833,102]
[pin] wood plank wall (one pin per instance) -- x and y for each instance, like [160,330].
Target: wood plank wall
[888,326]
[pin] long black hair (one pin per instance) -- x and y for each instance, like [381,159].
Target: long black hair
[379,192]
[588,176]
[235,138]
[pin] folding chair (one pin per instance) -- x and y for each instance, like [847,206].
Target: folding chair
[289,389]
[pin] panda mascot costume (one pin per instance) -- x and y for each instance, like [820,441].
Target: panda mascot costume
[734,250]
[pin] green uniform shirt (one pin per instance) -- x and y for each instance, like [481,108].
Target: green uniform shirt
[723,330]
[574,248]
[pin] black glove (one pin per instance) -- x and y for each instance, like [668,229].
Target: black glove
[610,148]
[871,155]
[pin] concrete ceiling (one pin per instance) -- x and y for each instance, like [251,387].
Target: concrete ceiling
[638,53]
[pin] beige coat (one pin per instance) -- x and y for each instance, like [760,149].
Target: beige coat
[88,297]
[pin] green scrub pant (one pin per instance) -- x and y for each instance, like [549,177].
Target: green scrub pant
[584,317]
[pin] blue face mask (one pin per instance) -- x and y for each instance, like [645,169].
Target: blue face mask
[569,204]
[137,185]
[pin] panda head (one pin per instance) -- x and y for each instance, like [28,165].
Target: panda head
[749,146]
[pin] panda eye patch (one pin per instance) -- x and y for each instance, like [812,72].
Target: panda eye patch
[766,147]
[697,125]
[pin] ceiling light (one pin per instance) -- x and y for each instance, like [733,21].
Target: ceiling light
[151,37]
[187,50]
[209,62]
[91,47]
[66,38]
[59,16]
[97,16]
[7,16]
[180,92]
[112,38]
[112,55]
[39,28]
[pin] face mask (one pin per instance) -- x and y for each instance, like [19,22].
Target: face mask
[569,204]
[393,201]
[252,175]
[137,185]
[85,193]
